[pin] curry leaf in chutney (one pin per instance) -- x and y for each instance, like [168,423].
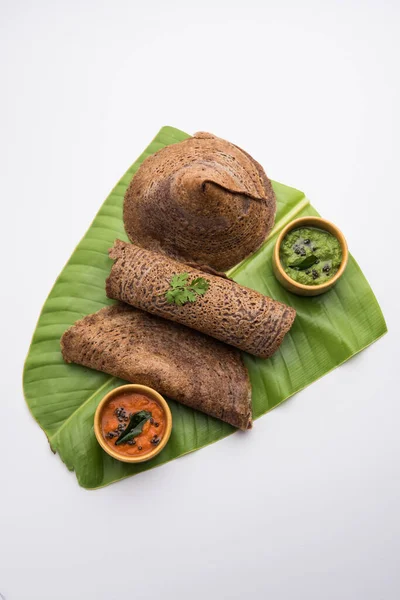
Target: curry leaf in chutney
[134,427]
[307,262]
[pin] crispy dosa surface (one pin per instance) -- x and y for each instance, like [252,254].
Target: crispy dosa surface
[178,362]
[203,200]
[228,311]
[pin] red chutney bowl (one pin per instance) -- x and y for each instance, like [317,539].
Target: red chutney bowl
[112,416]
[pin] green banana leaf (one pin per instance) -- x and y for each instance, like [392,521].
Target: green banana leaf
[328,330]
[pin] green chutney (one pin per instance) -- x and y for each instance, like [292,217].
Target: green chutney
[310,255]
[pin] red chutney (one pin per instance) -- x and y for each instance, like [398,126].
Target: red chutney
[115,418]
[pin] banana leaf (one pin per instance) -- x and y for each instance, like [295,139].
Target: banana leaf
[328,330]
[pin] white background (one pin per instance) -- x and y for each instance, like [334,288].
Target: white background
[307,504]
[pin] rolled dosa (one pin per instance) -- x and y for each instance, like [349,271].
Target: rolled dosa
[178,362]
[228,311]
[203,200]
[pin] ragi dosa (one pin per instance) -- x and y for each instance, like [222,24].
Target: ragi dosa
[228,311]
[178,362]
[203,200]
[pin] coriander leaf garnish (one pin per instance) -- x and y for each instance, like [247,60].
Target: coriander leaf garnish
[179,280]
[182,291]
[200,285]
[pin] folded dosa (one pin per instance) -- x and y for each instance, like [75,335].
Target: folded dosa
[178,362]
[228,311]
[203,200]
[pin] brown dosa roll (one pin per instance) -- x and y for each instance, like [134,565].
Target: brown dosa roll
[228,311]
[176,361]
[203,200]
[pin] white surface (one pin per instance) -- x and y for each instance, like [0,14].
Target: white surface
[306,506]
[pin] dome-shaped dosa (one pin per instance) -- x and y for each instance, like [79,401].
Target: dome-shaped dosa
[203,200]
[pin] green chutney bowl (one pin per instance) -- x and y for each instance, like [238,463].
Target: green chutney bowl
[299,288]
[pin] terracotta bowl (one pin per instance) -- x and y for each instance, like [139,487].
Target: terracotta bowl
[146,391]
[299,288]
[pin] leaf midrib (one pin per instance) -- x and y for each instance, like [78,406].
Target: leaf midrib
[279,225]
